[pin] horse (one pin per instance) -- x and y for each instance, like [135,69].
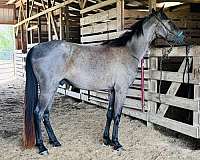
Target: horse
[111,66]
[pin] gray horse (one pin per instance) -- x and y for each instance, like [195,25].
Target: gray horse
[111,66]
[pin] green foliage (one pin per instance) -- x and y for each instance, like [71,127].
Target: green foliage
[6,41]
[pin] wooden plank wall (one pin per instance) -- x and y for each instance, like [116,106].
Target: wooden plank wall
[7,15]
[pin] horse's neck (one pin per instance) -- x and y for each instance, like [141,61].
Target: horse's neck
[139,46]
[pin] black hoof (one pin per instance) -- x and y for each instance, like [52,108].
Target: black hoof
[42,149]
[55,143]
[106,141]
[116,145]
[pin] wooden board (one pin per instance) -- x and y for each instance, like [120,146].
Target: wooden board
[99,17]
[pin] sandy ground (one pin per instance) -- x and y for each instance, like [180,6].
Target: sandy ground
[79,127]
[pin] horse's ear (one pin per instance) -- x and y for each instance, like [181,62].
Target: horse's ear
[162,8]
[153,10]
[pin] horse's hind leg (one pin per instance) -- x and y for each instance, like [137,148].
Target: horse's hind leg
[52,138]
[106,135]
[46,96]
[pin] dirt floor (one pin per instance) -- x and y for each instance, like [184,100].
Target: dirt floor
[79,127]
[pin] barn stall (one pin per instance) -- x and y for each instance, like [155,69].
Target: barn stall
[166,102]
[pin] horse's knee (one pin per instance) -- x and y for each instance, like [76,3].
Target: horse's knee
[109,113]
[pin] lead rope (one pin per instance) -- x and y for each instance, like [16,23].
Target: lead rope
[187,67]
[142,84]
[165,54]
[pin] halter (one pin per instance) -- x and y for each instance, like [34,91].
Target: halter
[178,37]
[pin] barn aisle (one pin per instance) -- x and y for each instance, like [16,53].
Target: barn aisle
[79,128]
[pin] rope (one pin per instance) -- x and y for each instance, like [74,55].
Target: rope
[164,56]
[142,84]
[187,67]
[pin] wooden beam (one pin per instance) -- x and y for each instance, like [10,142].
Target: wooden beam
[54,26]
[152,5]
[97,28]
[11,1]
[120,15]
[61,23]
[44,12]
[97,6]
[32,28]
[176,52]
[49,26]
[99,17]
[175,125]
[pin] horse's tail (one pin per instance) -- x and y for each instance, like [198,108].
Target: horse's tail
[30,101]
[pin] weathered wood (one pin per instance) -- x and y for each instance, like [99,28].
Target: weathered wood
[98,28]
[99,17]
[97,6]
[180,102]
[172,90]
[153,84]
[133,13]
[100,37]
[152,5]
[175,125]
[45,12]
[49,27]
[32,28]
[120,15]
[171,76]
[176,52]
[61,24]
[196,75]
[54,26]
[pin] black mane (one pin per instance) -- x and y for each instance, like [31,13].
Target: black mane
[136,29]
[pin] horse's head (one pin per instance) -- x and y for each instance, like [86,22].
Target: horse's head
[166,29]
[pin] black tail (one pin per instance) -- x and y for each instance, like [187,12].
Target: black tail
[30,101]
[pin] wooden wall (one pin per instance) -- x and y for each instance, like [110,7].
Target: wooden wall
[7,15]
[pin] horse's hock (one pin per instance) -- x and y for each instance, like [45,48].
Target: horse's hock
[177,105]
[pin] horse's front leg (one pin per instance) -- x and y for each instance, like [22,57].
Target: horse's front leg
[120,95]
[106,135]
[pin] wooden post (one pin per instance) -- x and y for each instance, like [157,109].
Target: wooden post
[61,24]
[152,87]
[49,27]
[39,27]
[49,21]
[196,74]
[27,15]
[152,5]
[120,15]
[66,23]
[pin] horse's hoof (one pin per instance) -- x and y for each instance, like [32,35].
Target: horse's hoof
[42,149]
[106,141]
[44,152]
[116,146]
[55,143]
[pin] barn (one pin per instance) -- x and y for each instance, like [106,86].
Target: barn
[161,112]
